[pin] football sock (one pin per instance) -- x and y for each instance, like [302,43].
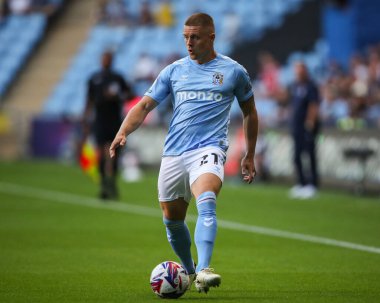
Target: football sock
[205,230]
[180,240]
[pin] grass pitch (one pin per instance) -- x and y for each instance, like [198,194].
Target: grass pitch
[52,251]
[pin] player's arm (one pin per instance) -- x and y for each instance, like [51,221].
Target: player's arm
[132,121]
[250,128]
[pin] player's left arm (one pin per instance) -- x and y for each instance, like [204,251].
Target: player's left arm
[250,128]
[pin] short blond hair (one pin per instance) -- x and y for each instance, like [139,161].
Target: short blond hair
[200,19]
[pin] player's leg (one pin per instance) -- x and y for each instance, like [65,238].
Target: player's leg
[174,197]
[205,190]
[206,178]
[174,213]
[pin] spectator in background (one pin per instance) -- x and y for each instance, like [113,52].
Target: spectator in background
[112,12]
[107,91]
[4,10]
[304,102]
[19,7]
[48,7]
[333,108]
[269,70]
[164,14]
[146,68]
[358,69]
[146,16]
[357,109]
[373,114]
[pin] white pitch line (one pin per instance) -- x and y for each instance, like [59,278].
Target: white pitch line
[31,192]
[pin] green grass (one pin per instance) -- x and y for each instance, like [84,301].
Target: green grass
[56,252]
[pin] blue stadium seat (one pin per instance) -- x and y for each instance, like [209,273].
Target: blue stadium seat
[18,37]
[314,60]
[255,15]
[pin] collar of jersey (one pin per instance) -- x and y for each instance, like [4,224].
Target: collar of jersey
[204,65]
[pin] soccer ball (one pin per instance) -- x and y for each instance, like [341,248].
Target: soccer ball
[169,280]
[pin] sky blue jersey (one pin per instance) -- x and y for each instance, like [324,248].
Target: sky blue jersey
[202,95]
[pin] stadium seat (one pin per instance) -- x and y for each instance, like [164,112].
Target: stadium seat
[255,15]
[18,36]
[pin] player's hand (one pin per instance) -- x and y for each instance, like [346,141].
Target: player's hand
[119,140]
[248,169]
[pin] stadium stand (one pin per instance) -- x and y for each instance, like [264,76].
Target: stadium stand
[129,43]
[19,34]
[242,26]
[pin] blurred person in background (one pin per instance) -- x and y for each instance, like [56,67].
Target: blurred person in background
[164,14]
[304,102]
[146,68]
[112,12]
[146,17]
[4,10]
[373,114]
[107,92]
[19,7]
[357,111]
[333,107]
[48,7]
[269,70]
[203,86]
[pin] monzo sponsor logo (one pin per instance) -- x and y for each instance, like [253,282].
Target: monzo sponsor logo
[198,95]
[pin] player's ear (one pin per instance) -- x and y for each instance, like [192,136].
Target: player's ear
[212,36]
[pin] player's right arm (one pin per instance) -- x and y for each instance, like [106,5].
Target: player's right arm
[156,94]
[132,121]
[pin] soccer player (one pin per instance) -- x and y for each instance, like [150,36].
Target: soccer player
[107,92]
[203,86]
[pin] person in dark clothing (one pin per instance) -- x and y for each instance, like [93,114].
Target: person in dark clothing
[304,102]
[107,91]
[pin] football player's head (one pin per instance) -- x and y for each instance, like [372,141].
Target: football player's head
[199,35]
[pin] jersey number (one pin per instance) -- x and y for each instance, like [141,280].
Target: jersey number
[204,158]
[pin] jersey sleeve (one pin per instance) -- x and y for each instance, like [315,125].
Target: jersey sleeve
[243,88]
[160,89]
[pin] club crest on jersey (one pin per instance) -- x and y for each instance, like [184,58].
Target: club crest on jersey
[217,78]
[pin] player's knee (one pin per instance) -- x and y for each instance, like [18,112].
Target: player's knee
[174,210]
[206,182]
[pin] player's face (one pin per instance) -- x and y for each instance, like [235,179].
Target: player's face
[199,43]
